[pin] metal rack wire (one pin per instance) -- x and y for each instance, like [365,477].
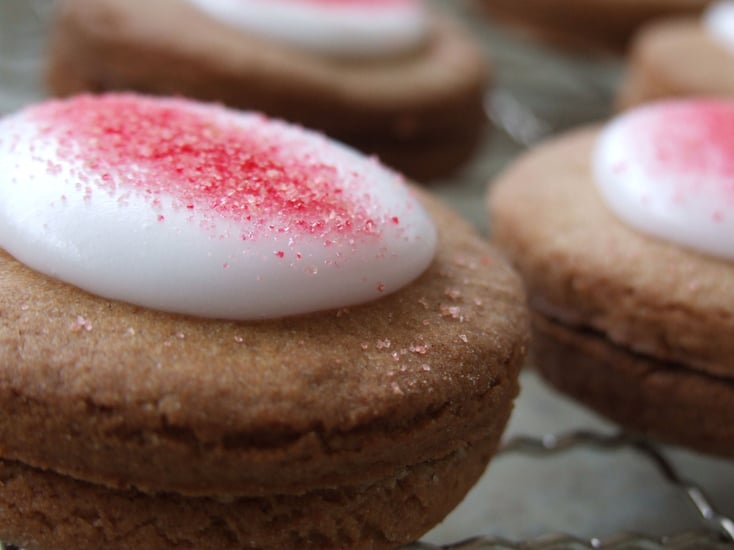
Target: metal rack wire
[716,531]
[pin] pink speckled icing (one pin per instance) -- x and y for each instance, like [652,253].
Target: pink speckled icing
[668,170]
[352,28]
[197,209]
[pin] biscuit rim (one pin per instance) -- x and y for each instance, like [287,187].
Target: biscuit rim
[170,434]
[582,266]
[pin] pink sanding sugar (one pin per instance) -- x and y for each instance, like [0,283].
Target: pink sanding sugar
[208,162]
[693,139]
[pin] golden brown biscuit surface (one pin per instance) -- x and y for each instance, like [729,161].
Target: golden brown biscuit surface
[420,111]
[585,267]
[676,58]
[123,396]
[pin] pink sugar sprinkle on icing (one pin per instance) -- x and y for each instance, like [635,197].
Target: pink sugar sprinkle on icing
[692,138]
[667,169]
[222,213]
[209,165]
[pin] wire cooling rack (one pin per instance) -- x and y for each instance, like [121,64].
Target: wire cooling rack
[716,530]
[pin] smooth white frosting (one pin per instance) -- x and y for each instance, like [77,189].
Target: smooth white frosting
[667,169]
[718,20]
[349,28]
[76,206]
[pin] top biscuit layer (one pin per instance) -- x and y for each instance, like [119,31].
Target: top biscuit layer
[585,267]
[122,395]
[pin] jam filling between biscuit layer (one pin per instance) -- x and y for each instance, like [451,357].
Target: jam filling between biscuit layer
[667,169]
[198,209]
[339,28]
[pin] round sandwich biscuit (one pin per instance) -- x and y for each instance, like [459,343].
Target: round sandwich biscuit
[628,320]
[312,426]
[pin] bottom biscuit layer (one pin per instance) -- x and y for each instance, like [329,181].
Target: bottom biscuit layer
[655,398]
[46,511]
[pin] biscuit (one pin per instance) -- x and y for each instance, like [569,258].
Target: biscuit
[636,327]
[674,58]
[420,111]
[358,427]
[597,24]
